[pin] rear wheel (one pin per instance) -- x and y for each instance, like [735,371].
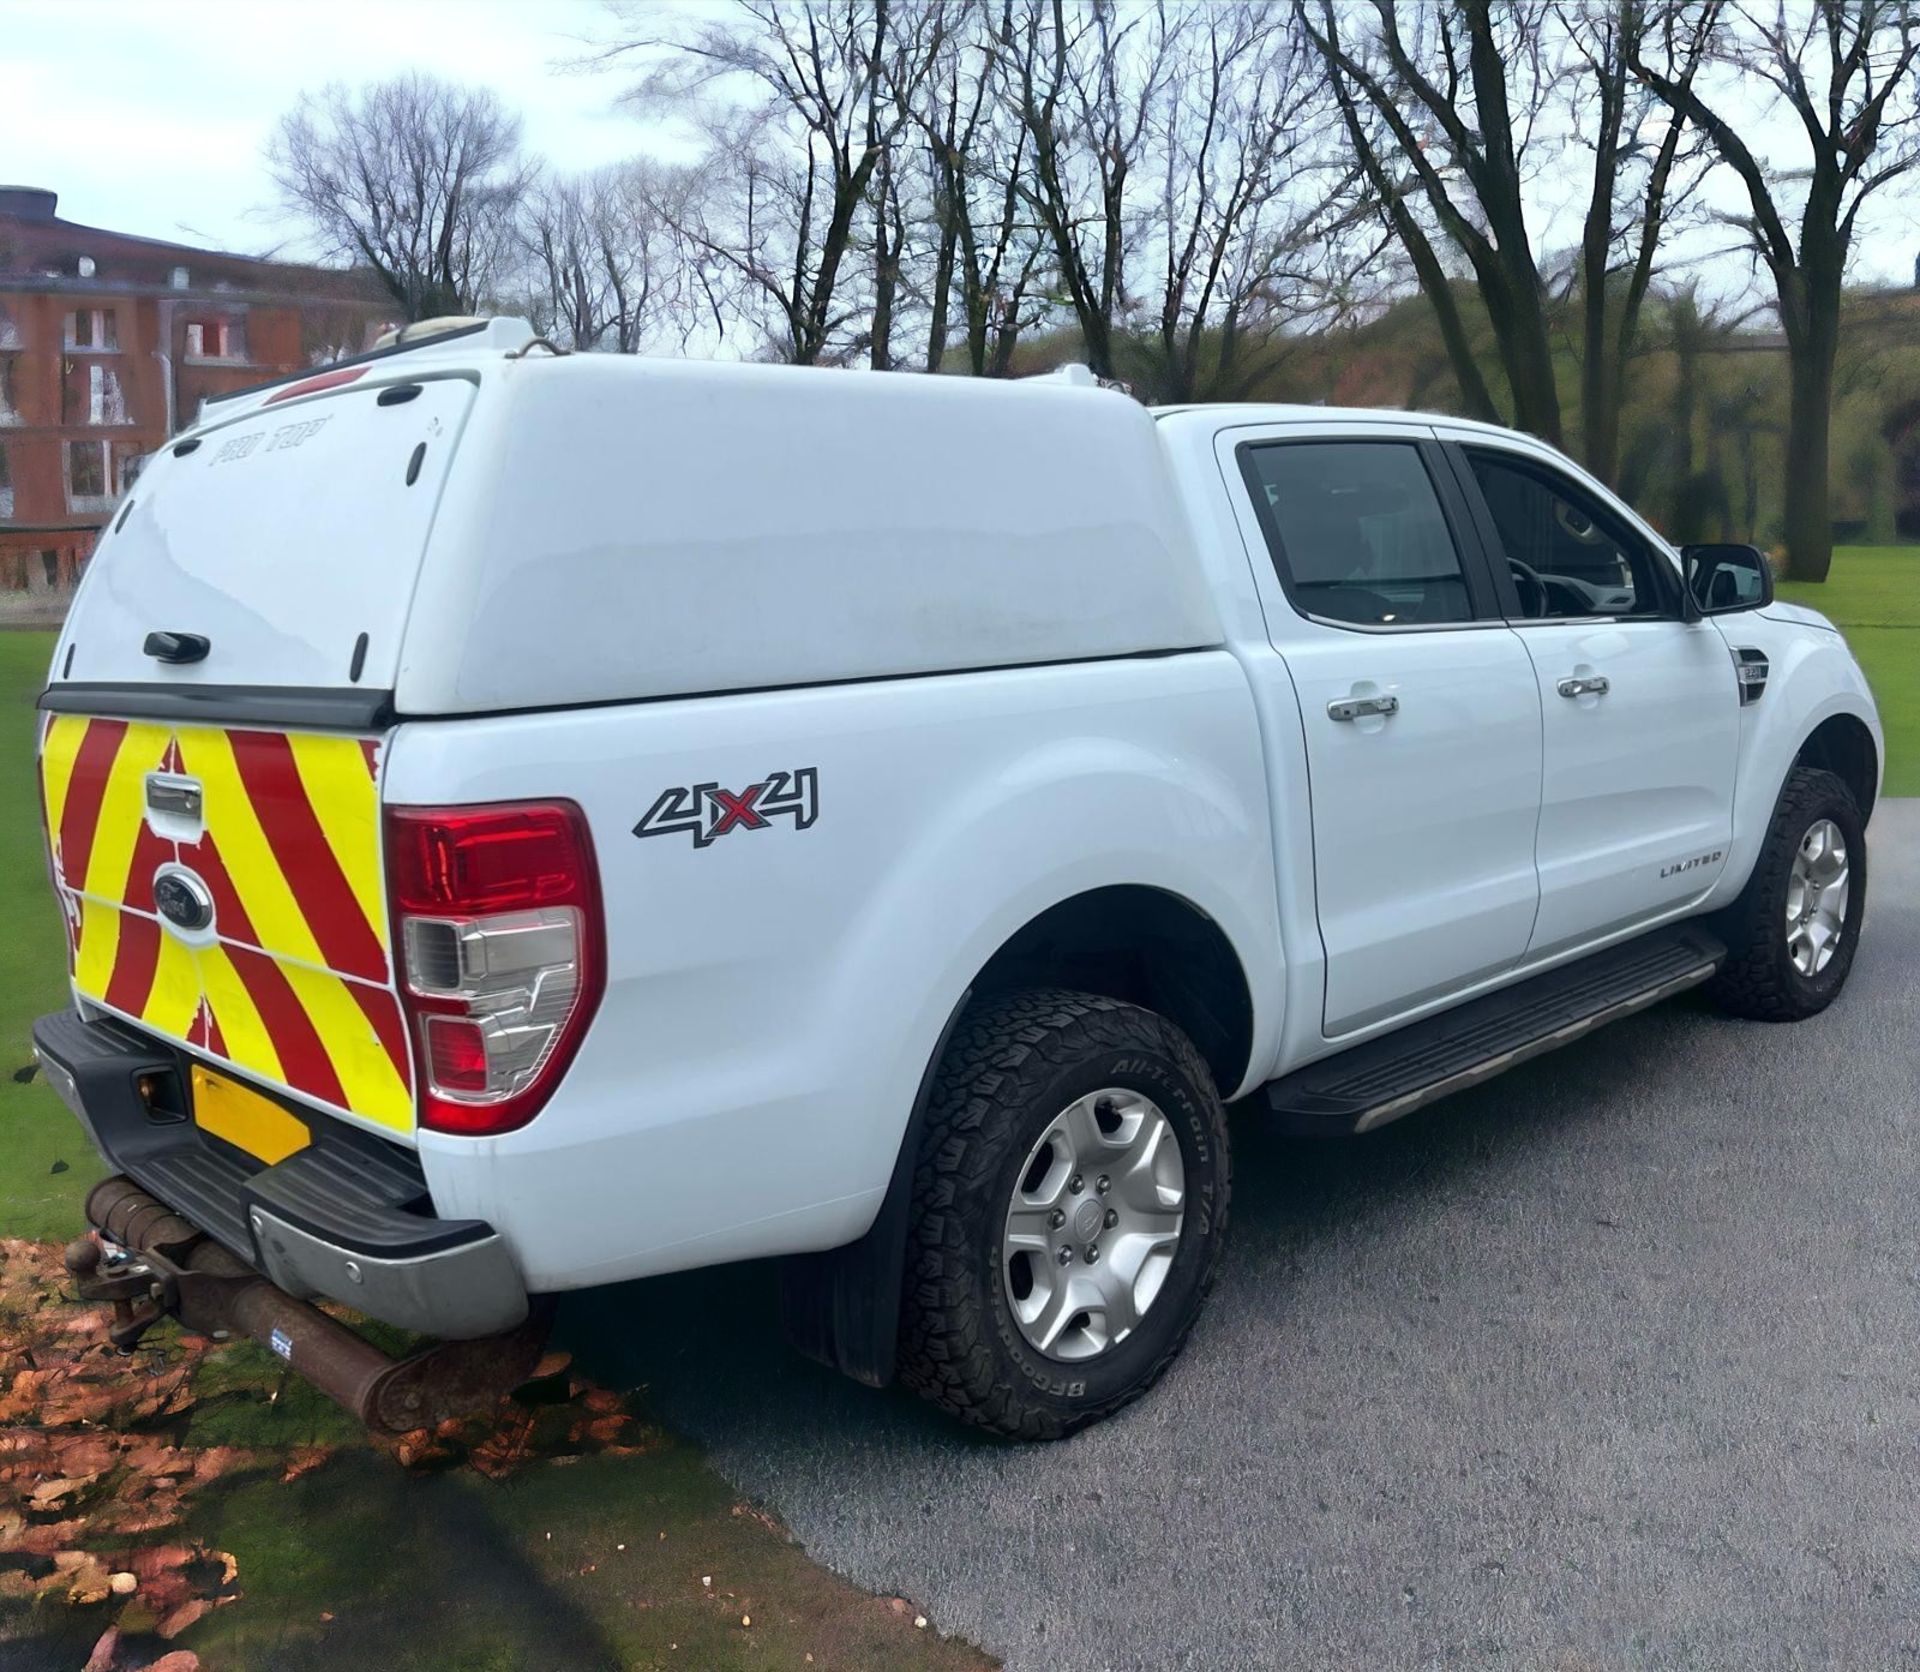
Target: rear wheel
[1791,935]
[1069,1207]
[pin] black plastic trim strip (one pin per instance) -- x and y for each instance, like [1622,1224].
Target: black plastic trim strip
[329,708]
[813,684]
[366,359]
[306,707]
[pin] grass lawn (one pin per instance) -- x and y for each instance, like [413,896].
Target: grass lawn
[1872,594]
[46,1166]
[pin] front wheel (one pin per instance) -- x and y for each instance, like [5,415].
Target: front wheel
[1070,1202]
[1792,933]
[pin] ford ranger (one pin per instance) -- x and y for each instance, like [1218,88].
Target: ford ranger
[526,821]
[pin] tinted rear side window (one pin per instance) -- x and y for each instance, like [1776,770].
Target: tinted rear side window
[1357,533]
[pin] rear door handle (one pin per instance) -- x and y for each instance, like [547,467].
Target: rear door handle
[177,647]
[1351,708]
[1595,685]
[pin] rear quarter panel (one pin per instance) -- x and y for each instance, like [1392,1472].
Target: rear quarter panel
[774,994]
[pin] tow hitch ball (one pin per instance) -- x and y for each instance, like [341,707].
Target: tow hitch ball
[141,1289]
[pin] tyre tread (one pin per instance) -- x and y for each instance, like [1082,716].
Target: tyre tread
[1003,1041]
[1750,983]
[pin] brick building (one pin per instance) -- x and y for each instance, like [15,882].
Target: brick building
[108,344]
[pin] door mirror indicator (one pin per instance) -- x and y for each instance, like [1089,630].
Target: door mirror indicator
[1724,579]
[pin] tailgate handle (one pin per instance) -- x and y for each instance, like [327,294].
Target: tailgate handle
[168,793]
[177,647]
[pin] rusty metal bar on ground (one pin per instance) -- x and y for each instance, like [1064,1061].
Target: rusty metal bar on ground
[149,1263]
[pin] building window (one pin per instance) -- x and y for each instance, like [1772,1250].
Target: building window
[216,339]
[105,402]
[96,329]
[88,464]
[9,389]
[85,267]
[6,484]
[128,462]
[50,568]
[9,332]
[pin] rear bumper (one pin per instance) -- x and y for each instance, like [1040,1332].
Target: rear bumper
[349,1218]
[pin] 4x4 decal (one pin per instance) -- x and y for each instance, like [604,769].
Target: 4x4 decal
[707,812]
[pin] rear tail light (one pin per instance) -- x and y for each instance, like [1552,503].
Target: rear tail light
[502,953]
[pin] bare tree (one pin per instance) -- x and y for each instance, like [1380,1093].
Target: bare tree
[889,253]
[601,262]
[1375,137]
[1086,78]
[1645,169]
[986,245]
[1844,69]
[824,92]
[416,177]
[1452,111]
[1458,100]
[1240,216]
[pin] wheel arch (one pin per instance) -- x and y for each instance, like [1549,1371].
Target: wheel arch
[1140,944]
[1815,709]
[1145,946]
[1842,745]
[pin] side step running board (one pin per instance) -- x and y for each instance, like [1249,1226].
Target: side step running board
[1371,1084]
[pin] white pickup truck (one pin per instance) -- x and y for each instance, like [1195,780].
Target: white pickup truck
[527,821]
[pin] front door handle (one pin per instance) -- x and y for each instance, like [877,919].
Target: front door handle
[1351,708]
[1595,685]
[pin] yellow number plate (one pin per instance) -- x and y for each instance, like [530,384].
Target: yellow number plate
[244,1118]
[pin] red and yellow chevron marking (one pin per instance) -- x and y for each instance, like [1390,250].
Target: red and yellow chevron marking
[295,989]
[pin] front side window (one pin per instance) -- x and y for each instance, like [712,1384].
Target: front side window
[1357,533]
[1568,555]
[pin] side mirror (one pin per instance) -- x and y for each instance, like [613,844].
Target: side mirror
[1722,579]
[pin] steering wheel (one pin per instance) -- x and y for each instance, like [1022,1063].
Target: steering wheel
[1534,597]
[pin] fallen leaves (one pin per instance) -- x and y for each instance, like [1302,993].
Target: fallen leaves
[300,1459]
[752,1512]
[83,1574]
[554,1418]
[96,1478]
[84,1473]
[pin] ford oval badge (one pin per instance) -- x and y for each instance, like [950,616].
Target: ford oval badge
[183,899]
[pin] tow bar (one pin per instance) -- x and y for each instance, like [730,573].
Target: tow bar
[149,1263]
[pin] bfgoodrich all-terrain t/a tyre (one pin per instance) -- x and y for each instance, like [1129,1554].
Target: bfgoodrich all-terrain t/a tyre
[1069,1203]
[1791,935]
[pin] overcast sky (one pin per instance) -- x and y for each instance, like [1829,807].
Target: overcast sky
[151,117]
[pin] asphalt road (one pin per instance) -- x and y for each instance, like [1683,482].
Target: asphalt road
[1612,1362]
